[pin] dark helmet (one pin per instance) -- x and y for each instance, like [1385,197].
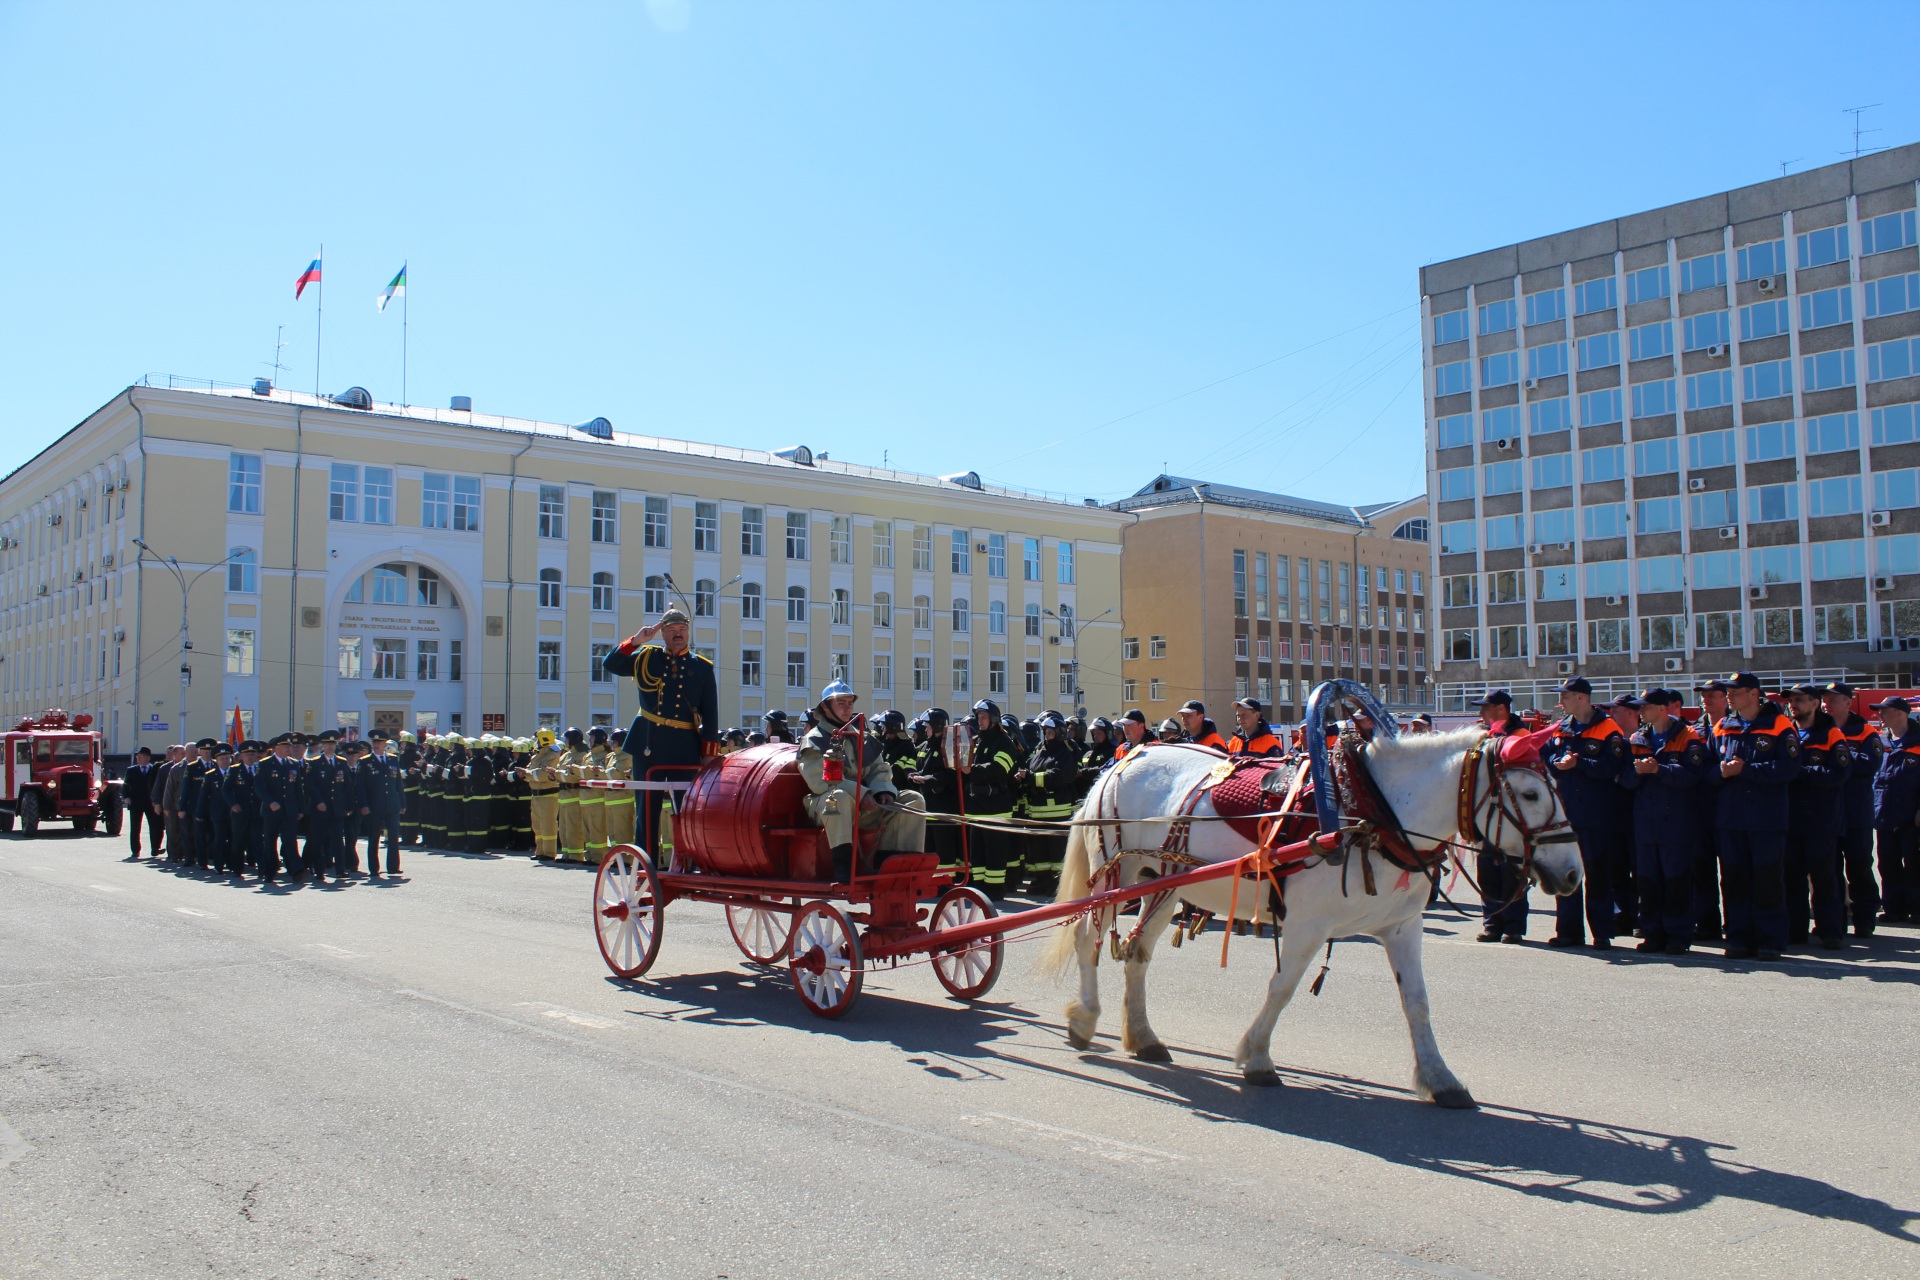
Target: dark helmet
[598,734]
[987,705]
[574,737]
[756,739]
[938,715]
[893,722]
[775,716]
[1102,724]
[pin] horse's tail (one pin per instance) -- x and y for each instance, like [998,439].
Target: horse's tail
[1076,871]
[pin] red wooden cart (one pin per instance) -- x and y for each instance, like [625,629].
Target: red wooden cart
[742,839]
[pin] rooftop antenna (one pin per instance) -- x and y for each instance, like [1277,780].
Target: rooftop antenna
[1855,112]
[1785,163]
[279,345]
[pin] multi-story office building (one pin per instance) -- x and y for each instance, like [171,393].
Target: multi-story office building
[1681,442]
[374,566]
[1230,592]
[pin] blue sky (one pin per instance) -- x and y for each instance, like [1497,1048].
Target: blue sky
[1061,244]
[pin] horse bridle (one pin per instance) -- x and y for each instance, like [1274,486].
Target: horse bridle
[1503,805]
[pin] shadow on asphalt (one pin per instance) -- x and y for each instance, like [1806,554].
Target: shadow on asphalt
[1569,1159]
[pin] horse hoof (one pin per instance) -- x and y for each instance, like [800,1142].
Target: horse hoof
[1268,1079]
[1153,1053]
[1079,1041]
[1455,1099]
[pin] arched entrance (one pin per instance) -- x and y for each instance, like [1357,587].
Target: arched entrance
[400,654]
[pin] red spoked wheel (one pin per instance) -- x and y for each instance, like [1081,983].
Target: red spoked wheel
[762,933]
[967,972]
[825,960]
[628,910]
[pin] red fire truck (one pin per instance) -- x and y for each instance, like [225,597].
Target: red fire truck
[53,772]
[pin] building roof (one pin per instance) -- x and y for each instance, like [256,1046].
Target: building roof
[1169,490]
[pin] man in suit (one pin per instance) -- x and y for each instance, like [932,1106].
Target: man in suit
[136,792]
[282,784]
[240,788]
[382,802]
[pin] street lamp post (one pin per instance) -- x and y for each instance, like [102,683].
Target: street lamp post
[172,565]
[1072,627]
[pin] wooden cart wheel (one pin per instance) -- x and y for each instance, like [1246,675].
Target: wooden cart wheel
[969,972]
[627,911]
[762,934]
[825,960]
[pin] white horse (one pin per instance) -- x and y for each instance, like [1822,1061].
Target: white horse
[1511,806]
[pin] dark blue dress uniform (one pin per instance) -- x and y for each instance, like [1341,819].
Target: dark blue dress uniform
[1666,829]
[1600,813]
[383,790]
[1896,802]
[677,723]
[1856,832]
[1815,812]
[1750,814]
[1503,891]
[282,782]
[241,790]
[326,787]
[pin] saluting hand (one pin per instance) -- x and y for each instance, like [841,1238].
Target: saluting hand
[645,634]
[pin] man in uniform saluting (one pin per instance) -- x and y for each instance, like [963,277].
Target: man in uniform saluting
[679,708]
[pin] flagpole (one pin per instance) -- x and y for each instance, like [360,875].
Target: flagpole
[319,307]
[403,337]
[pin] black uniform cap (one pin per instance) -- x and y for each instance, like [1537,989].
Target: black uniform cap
[1627,700]
[1805,690]
[1251,704]
[1579,684]
[1744,680]
[1499,697]
[206,744]
[1136,715]
[379,735]
[328,735]
[1895,703]
[1194,705]
[1840,687]
[1711,686]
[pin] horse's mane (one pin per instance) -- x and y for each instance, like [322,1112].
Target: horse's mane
[1418,749]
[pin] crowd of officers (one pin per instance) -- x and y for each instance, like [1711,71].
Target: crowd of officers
[1739,821]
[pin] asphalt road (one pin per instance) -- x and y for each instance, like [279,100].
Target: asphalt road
[438,1078]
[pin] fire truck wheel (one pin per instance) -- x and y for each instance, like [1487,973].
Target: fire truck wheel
[30,814]
[6,822]
[113,812]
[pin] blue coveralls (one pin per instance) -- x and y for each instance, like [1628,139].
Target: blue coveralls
[1856,835]
[1706,848]
[1666,828]
[1896,799]
[1815,812]
[1598,810]
[1751,815]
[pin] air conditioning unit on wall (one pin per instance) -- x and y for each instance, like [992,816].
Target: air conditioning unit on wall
[1756,593]
[1566,668]
[1883,583]
[1767,284]
[1695,484]
[1674,664]
[1718,351]
[1880,519]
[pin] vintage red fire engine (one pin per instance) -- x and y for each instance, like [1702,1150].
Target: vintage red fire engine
[53,772]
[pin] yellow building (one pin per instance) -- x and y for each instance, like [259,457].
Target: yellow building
[347,564]
[1229,593]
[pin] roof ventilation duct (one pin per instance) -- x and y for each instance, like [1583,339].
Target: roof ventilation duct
[461,404]
[598,428]
[965,479]
[798,454]
[354,398]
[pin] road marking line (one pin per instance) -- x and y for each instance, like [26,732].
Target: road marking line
[564,1014]
[1106,1148]
[107,888]
[338,952]
[12,1145]
[189,911]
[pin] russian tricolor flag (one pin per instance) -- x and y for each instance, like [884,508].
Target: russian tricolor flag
[310,276]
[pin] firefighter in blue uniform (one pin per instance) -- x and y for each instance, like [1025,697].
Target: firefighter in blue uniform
[1503,892]
[1585,757]
[1706,854]
[1896,800]
[1815,814]
[1862,892]
[679,717]
[1759,755]
[1671,764]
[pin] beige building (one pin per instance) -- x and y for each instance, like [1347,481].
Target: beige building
[368,566]
[1232,592]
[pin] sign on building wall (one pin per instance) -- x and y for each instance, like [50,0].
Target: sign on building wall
[493,721]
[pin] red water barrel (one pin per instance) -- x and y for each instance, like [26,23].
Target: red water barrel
[724,824]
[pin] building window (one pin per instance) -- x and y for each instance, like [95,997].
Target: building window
[243,567]
[243,484]
[842,608]
[796,668]
[706,597]
[1156,646]
[922,613]
[343,493]
[426,589]
[1775,564]
[1461,644]
[961,551]
[1240,647]
[1239,583]
[605,511]
[1771,502]
[1657,515]
[706,526]
[996,555]
[1830,307]
[1766,259]
[657,531]
[347,658]
[1546,306]
[1503,477]
[923,674]
[1717,630]
[548,670]
[597,672]
[1766,380]
[553,511]
[883,671]
[1129,690]
[1709,329]
[753,531]
[796,535]
[750,600]
[1888,231]
[1068,689]
[1259,584]
[1451,379]
[1130,647]
[1030,559]
[1031,621]
[883,610]
[1705,272]
[1282,603]
[839,540]
[997,618]
[1547,361]
[1648,283]
[1500,370]
[426,660]
[1325,598]
[997,676]
[1595,295]
[883,544]
[1839,623]
[1600,350]
[1156,689]
[390,659]
[1828,369]
[1818,248]
[1497,317]
[653,595]
[240,652]
[840,666]
[1663,633]
[1065,619]
[436,501]
[962,614]
[963,675]
[922,549]
[389,584]
[1651,341]
[797,604]
[1847,558]
[750,676]
[1889,360]
[603,593]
